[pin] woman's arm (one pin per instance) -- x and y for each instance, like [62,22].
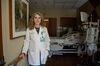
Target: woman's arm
[26,43]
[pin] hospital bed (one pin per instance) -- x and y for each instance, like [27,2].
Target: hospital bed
[68,43]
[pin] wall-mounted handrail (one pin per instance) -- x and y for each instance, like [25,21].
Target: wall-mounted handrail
[15,61]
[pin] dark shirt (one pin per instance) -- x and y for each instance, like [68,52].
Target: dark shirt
[37,29]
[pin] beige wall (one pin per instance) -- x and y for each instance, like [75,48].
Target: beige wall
[11,48]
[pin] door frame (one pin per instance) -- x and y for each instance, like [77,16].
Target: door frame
[2,62]
[1,44]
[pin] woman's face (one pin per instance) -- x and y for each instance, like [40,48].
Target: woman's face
[37,19]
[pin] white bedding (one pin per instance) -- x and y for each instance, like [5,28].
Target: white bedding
[57,43]
[66,39]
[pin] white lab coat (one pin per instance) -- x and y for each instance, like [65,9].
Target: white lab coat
[34,44]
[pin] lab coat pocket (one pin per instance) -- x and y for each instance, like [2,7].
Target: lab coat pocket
[44,56]
[33,58]
[32,46]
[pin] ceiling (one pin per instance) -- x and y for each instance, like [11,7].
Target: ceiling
[56,4]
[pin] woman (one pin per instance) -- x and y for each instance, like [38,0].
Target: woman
[36,43]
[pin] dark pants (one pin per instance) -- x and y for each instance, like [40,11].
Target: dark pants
[38,65]
[42,65]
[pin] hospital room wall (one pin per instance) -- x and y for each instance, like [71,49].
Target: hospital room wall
[11,48]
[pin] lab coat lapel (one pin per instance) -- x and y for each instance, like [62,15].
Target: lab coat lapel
[40,31]
[38,34]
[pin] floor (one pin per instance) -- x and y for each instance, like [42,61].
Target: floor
[65,60]
[69,60]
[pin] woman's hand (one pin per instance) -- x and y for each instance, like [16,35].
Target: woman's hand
[22,55]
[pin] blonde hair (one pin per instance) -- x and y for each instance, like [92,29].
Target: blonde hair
[31,22]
